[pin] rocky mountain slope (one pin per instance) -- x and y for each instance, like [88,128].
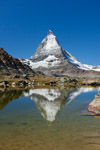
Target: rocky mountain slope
[10,65]
[53,60]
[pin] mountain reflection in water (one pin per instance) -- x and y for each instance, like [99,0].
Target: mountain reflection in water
[48,101]
[22,125]
[8,96]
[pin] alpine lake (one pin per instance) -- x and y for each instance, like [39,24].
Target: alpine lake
[48,119]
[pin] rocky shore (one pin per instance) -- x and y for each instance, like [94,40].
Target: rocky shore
[41,81]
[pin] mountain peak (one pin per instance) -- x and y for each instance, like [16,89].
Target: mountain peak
[52,59]
[49,46]
[50,32]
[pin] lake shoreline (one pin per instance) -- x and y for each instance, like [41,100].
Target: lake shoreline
[44,81]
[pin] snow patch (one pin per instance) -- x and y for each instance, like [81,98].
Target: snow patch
[50,61]
[51,42]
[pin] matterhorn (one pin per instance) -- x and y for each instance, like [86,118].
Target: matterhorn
[53,60]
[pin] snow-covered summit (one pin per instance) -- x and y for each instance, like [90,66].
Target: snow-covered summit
[50,32]
[48,46]
[50,54]
[50,42]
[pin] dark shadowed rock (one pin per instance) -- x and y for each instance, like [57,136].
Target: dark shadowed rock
[10,65]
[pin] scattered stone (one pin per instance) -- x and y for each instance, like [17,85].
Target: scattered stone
[92,82]
[22,83]
[29,83]
[3,84]
[13,84]
[16,76]
[95,83]
[53,83]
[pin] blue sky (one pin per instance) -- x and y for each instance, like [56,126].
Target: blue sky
[76,23]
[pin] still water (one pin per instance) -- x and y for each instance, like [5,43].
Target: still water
[48,119]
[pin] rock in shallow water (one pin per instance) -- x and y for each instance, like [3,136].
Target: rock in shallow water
[94,106]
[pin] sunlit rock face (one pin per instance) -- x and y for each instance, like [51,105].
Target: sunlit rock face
[94,106]
[50,101]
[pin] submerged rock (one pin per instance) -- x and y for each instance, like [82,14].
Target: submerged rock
[94,106]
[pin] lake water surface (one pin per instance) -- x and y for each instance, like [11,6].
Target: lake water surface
[48,119]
